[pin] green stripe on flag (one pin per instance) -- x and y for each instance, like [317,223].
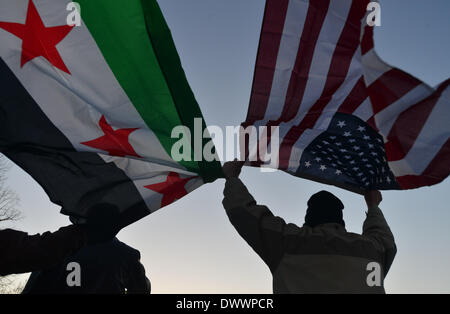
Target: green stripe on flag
[170,63]
[138,47]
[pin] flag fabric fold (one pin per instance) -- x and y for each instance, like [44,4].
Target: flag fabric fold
[88,111]
[344,116]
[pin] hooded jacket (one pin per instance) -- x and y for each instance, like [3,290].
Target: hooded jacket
[323,259]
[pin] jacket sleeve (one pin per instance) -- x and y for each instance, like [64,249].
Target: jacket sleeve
[255,223]
[23,253]
[376,228]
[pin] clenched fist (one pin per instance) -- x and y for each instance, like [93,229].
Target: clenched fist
[232,169]
[373,198]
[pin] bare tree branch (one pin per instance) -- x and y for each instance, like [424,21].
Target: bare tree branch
[8,199]
[8,212]
[10,285]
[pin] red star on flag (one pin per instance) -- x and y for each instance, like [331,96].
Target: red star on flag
[38,40]
[115,142]
[172,189]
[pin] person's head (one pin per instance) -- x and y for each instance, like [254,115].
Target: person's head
[103,223]
[103,213]
[324,207]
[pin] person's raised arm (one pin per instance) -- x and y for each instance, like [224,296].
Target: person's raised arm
[23,253]
[376,228]
[255,223]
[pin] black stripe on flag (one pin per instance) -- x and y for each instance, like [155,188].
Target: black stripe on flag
[73,180]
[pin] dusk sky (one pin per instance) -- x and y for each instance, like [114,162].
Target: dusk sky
[190,246]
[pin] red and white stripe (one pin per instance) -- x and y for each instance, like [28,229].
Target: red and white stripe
[317,58]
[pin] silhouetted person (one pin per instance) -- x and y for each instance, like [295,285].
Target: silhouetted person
[107,268]
[321,256]
[22,253]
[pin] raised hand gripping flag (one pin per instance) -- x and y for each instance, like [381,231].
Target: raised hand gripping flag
[88,110]
[344,116]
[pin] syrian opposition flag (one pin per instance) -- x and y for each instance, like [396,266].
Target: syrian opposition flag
[344,116]
[88,110]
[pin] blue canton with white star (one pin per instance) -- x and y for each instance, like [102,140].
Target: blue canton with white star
[349,153]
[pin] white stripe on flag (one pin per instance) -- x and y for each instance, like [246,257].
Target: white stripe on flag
[287,55]
[433,136]
[326,44]
[364,111]
[373,67]
[386,118]
[144,173]
[353,76]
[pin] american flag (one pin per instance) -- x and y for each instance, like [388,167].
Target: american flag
[345,117]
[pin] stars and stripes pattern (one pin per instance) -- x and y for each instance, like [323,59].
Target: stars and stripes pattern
[317,65]
[349,153]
